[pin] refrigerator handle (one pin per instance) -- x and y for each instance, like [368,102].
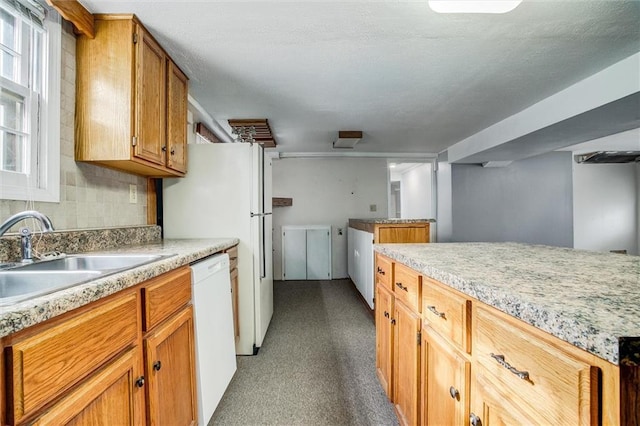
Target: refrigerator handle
[257,214]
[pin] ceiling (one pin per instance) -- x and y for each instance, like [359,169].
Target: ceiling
[412,80]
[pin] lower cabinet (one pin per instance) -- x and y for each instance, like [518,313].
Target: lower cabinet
[462,362]
[110,396]
[170,369]
[384,337]
[445,382]
[86,367]
[406,364]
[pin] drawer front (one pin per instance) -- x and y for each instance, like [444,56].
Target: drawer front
[384,271]
[233,257]
[447,312]
[164,295]
[45,365]
[406,286]
[546,382]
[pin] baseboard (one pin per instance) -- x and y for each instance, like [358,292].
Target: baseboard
[364,302]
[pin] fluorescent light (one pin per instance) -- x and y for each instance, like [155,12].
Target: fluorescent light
[473,6]
[392,165]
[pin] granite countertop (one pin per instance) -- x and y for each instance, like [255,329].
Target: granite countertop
[589,299]
[24,314]
[392,220]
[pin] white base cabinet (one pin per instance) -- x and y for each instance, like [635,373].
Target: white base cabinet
[360,262]
[306,252]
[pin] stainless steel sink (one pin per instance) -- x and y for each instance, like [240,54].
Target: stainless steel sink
[18,285]
[92,262]
[36,279]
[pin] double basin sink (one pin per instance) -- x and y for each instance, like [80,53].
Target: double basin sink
[24,282]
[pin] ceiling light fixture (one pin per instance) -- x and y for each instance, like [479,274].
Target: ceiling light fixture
[347,139]
[473,6]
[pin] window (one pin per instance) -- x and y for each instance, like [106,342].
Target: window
[30,44]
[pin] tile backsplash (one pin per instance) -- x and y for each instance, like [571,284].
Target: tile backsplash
[90,196]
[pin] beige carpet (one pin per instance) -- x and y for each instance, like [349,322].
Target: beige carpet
[316,366]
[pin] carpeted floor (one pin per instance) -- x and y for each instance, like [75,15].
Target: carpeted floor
[316,365]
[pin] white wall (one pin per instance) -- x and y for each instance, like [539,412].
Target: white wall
[416,193]
[638,205]
[327,191]
[444,215]
[605,207]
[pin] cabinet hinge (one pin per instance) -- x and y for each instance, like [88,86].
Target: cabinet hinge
[134,141]
[418,337]
[135,38]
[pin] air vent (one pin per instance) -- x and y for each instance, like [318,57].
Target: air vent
[608,157]
[347,139]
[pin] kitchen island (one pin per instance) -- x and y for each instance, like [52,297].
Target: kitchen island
[363,233]
[582,304]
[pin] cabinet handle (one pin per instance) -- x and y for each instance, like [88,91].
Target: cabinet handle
[393,321]
[157,365]
[435,311]
[386,314]
[454,393]
[380,271]
[173,151]
[164,148]
[140,381]
[524,375]
[474,420]
[402,287]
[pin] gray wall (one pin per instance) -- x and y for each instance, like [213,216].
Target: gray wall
[530,201]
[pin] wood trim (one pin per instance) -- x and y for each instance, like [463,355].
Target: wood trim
[207,133]
[361,226]
[152,201]
[74,12]
[281,202]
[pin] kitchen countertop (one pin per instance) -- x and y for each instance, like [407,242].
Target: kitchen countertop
[589,299]
[391,220]
[33,311]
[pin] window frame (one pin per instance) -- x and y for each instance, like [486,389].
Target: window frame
[43,182]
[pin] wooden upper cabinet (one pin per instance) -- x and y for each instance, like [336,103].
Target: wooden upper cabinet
[150,99]
[177,92]
[131,101]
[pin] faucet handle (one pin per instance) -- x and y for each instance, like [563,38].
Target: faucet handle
[25,243]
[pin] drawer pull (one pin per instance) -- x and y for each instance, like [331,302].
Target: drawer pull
[454,393]
[524,375]
[474,420]
[380,271]
[157,365]
[435,311]
[402,287]
[393,321]
[140,381]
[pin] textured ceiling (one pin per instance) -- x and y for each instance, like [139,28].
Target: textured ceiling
[410,79]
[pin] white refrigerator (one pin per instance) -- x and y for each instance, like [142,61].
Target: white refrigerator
[227,193]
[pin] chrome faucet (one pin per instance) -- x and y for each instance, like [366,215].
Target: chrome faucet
[25,233]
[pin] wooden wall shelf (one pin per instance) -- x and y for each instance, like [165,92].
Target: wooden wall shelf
[282,202]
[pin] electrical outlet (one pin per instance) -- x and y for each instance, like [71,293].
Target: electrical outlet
[373,207]
[133,194]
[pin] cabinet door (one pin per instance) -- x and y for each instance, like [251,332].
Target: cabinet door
[406,363]
[111,396]
[294,254]
[177,90]
[384,338]
[445,383]
[318,254]
[150,99]
[170,370]
[491,408]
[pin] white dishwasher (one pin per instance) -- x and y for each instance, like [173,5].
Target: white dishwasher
[215,343]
